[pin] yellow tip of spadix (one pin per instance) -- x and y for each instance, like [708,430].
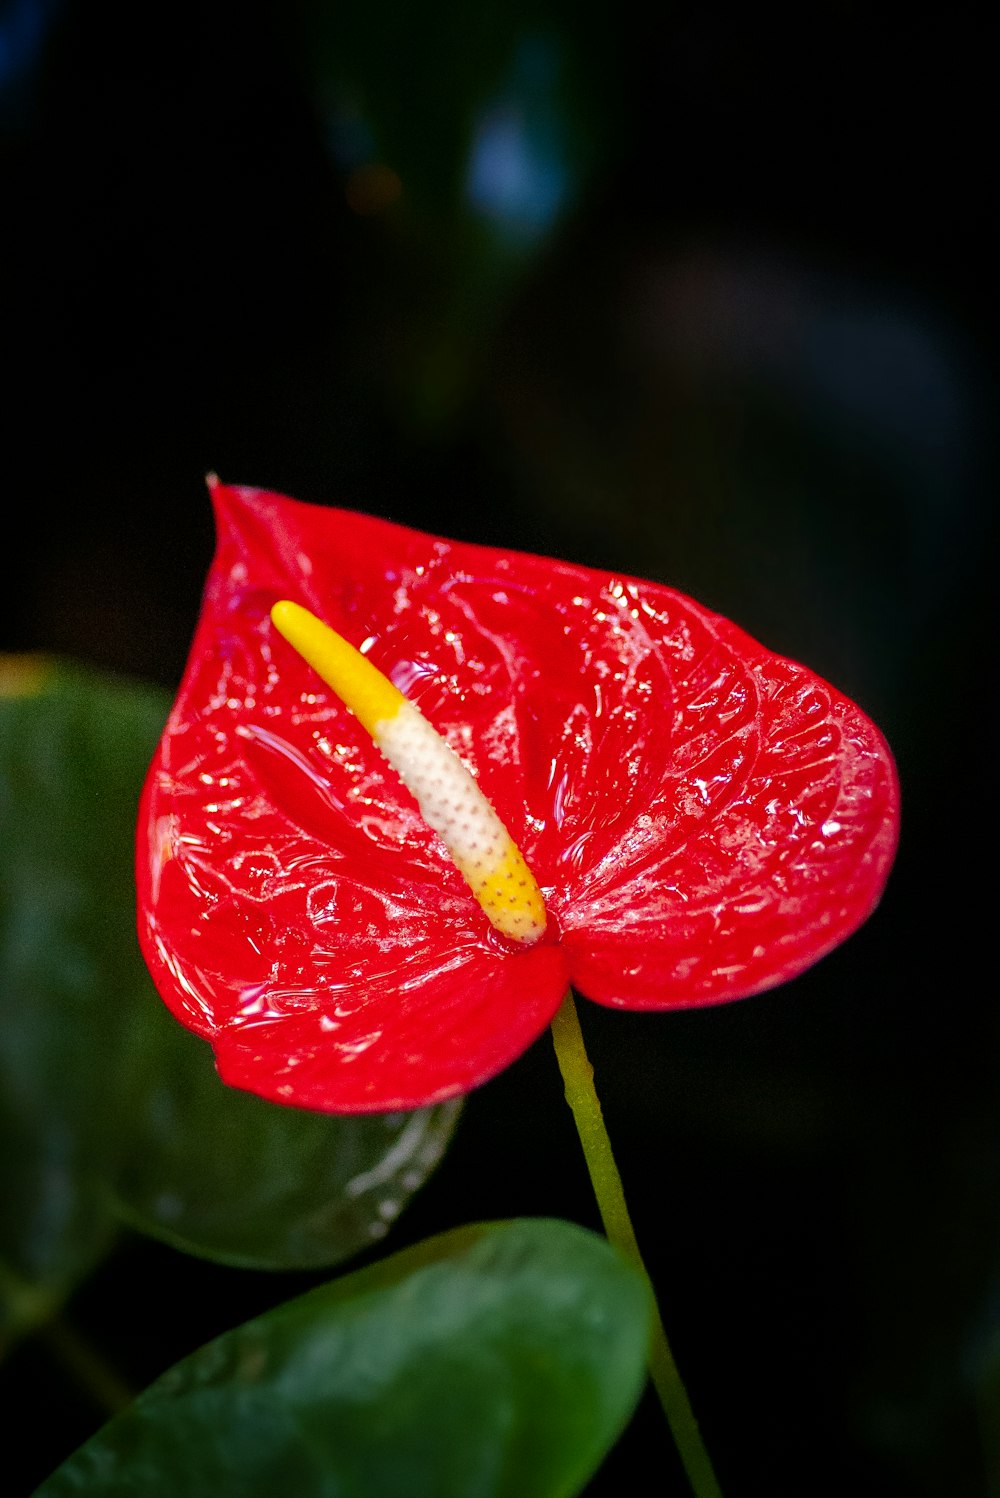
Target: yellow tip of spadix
[359,685]
[448,795]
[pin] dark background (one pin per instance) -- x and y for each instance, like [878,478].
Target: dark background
[699,296]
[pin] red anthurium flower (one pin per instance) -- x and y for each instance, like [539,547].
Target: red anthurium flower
[703,819]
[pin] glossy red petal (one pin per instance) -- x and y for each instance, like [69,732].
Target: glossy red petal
[767,841]
[293,907]
[704,818]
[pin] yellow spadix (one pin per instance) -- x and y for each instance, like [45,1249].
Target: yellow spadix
[449,797]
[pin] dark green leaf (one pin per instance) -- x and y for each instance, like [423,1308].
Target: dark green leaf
[498,1361]
[106,1104]
[73,748]
[232,1177]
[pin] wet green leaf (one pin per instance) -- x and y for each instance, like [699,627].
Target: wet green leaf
[232,1177]
[72,988]
[498,1361]
[106,1105]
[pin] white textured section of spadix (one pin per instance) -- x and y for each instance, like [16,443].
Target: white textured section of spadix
[451,802]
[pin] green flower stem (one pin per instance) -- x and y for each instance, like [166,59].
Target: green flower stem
[31,1311]
[88,1366]
[578,1077]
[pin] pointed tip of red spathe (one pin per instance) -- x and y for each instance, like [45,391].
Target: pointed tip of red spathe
[227,497]
[217,493]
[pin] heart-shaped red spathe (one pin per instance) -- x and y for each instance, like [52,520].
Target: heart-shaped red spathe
[705,819]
